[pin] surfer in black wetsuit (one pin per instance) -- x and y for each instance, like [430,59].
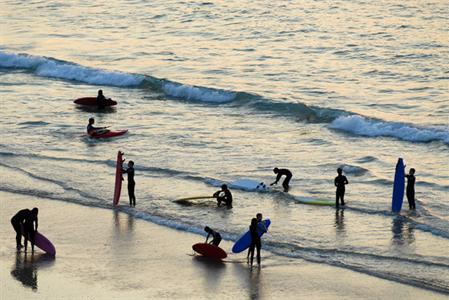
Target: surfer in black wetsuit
[131,183]
[216,237]
[91,130]
[255,241]
[261,228]
[27,220]
[224,195]
[288,176]
[340,182]
[410,191]
[101,99]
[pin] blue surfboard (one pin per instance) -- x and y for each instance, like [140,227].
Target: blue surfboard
[398,187]
[245,241]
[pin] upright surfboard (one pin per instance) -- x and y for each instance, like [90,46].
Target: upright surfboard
[398,187]
[209,250]
[118,178]
[245,241]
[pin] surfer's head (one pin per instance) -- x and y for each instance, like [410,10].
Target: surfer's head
[412,171]
[35,211]
[275,170]
[339,171]
[259,216]
[253,222]
[91,120]
[131,163]
[207,229]
[224,187]
[100,92]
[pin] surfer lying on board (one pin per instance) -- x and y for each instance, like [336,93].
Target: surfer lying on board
[288,176]
[91,130]
[216,237]
[261,228]
[131,183]
[255,241]
[224,195]
[27,220]
[410,191]
[340,182]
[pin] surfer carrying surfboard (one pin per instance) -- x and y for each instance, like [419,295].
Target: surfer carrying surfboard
[216,237]
[280,173]
[411,188]
[224,195]
[340,182]
[25,220]
[261,228]
[255,241]
[131,183]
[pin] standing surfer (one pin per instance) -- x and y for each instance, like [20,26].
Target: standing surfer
[261,229]
[411,188]
[131,183]
[224,195]
[280,173]
[255,241]
[340,182]
[216,237]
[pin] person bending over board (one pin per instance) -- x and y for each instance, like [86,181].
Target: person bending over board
[340,182]
[91,130]
[260,228]
[410,192]
[223,196]
[216,237]
[131,183]
[25,219]
[255,241]
[288,176]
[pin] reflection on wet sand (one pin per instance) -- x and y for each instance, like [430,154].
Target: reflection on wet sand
[26,268]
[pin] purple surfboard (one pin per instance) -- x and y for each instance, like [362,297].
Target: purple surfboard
[44,244]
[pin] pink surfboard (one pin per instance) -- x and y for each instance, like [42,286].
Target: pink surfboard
[118,178]
[43,243]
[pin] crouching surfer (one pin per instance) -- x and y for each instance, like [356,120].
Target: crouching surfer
[223,196]
[91,130]
[216,237]
[27,220]
[280,173]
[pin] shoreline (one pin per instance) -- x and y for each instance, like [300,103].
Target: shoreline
[107,254]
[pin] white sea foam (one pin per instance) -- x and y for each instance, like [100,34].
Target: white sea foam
[373,128]
[48,67]
[189,92]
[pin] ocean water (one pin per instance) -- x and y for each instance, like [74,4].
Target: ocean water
[218,91]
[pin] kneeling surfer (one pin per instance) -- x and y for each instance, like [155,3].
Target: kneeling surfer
[224,195]
[280,173]
[216,237]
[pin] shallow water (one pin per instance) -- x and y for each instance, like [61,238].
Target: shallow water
[227,90]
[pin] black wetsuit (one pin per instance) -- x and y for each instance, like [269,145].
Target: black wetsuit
[340,182]
[29,230]
[101,100]
[131,186]
[17,222]
[288,177]
[216,237]
[410,192]
[255,243]
[227,198]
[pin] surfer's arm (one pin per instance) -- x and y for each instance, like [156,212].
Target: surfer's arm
[346,180]
[208,235]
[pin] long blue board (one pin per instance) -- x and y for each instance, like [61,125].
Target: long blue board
[245,241]
[398,187]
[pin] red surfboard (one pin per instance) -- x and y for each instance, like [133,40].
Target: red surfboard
[92,101]
[108,134]
[118,178]
[209,250]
